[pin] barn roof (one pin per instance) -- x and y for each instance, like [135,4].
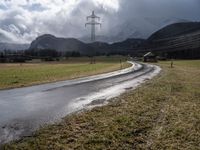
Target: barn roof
[149,54]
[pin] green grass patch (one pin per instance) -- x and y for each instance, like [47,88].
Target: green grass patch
[18,75]
[162,114]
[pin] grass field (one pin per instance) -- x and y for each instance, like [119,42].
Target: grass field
[18,75]
[164,113]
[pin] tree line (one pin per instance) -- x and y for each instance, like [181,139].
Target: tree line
[43,54]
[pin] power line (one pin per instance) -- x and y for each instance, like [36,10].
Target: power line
[93,24]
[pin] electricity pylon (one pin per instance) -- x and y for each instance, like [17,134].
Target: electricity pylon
[93,24]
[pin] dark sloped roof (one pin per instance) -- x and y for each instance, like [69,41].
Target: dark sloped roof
[149,54]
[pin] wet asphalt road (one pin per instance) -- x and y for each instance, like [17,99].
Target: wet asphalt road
[23,110]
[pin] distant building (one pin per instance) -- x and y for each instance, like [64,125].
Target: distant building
[150,57]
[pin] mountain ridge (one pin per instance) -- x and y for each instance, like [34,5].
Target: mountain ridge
[48,41]
[170,37]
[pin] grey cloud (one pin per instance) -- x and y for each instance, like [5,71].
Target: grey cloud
[34,7]
[135,18]
[186,9]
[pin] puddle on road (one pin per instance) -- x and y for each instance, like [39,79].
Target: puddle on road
[24,128]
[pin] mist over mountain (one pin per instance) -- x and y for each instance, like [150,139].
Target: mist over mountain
[21,21]
[135,28]
[14,47]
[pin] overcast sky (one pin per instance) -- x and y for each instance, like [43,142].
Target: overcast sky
[23,20]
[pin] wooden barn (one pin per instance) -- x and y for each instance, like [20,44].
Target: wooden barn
[150,57]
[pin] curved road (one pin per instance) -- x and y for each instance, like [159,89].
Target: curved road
[24,110]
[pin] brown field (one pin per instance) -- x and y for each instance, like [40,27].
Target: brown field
[164,113]
[25,74]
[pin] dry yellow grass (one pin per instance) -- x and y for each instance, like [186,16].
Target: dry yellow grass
[18,75]
[162,114]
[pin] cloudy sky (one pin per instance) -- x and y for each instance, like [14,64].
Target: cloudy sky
[21,21]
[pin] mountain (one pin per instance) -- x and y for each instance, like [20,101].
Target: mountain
[181,40]
[11,46]
[174,30]
[183,37]
[48,41]
[100,47]
[128,44]
[101,38]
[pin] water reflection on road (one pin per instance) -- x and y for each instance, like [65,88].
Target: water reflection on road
[23,110]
